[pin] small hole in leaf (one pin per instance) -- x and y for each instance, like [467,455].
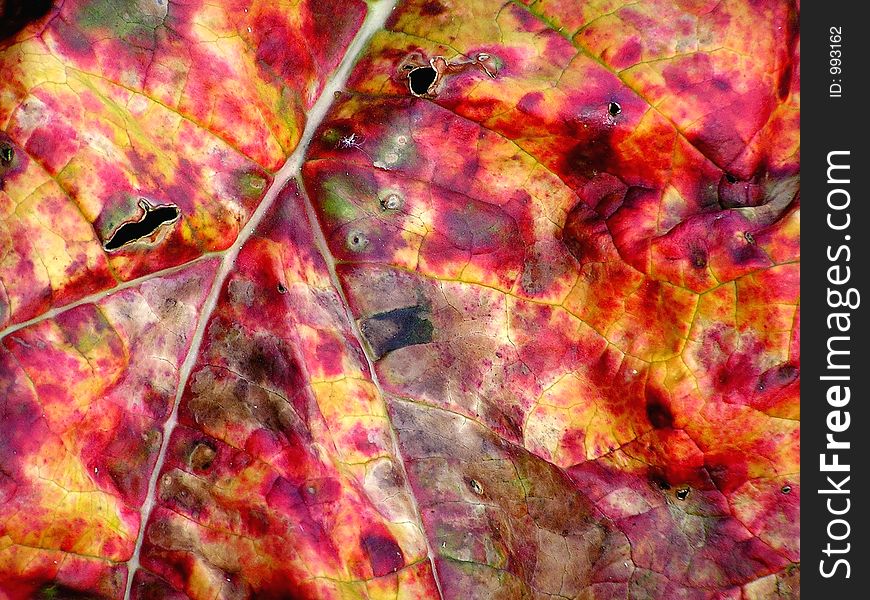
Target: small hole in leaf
[730,178]
[475,487]
[7,153]
[420,79]
[682,493]
[614,109]
[750,239]
[786,489]
[281,288]
[356,241]
[147,224]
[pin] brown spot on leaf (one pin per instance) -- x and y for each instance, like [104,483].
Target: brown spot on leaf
[657,410]
[698,257]
[202,455]
[432,8]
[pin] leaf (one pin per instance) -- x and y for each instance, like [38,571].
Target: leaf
[436,300]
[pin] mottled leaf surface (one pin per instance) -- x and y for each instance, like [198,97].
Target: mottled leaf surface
[107,103]
[457,300]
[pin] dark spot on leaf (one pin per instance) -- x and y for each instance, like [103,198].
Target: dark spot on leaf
[730,178]
[657,478]
[147,224]
[475,487]
[786,489]
[420,79]
[16,14]
[720,84]
[281,288]
[357,241]
[614,109]
[682,493]
[698,257]
[270,363]
[593,153]
[783,86]
[657,410]
[394,329]
[384,554]
[7,153]
[202,455]
[432,8]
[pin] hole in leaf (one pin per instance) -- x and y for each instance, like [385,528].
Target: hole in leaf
[614,109]
[147,224]
[682,493]
[786,489]
[420,79]
[730,178]
[475,487]
[281,288]
[750,239]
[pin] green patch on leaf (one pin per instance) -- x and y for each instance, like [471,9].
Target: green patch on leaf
[124,18]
